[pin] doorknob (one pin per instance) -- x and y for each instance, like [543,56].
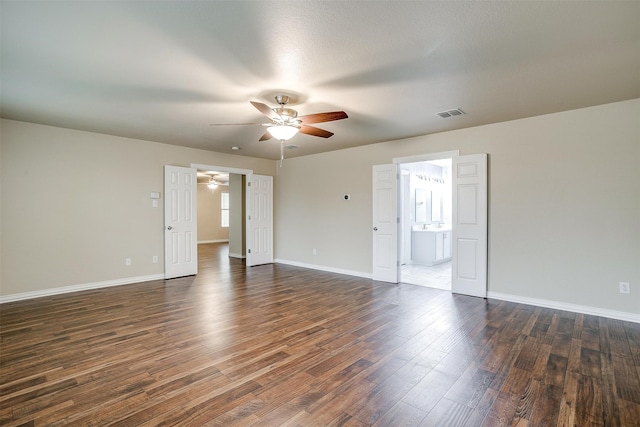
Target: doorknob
[375,228]
[169,228]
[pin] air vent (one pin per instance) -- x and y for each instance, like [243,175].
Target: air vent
[291,147]
[450,113]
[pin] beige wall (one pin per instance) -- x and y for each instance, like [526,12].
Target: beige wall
[564,204]
[76,204]
[210,214]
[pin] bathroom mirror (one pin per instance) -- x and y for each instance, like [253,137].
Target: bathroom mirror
[421,205]
[436,206]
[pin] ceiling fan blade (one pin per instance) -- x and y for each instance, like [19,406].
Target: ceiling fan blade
[314,131]
[266,110]
[323,117]
[265,137]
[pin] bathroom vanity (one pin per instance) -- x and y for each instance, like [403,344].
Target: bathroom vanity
[430,246]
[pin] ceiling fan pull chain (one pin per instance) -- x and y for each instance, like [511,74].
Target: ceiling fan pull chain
[281,151]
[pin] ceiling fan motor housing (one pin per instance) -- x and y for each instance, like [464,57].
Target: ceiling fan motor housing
[288,114]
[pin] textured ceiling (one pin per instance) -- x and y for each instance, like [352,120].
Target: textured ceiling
[165,70]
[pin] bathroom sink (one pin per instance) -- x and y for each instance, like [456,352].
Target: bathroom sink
[433,228]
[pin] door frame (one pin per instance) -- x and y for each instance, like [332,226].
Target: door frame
[398,161]
[238,171]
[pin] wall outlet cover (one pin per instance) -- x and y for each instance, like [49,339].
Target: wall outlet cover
[625,288]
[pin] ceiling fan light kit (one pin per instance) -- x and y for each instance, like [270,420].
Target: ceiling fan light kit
[283,132]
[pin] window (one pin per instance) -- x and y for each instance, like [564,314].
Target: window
[224,203]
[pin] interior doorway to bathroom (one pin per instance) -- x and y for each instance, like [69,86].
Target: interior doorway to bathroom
[425,212]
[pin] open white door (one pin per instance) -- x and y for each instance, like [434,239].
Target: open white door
[180,222]
[259,220]
[385,223]
[469,263]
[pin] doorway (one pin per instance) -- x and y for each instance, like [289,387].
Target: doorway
[468,235]
[233,182]
[257,196]
[425,212]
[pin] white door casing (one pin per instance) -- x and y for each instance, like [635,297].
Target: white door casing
[406,215]
[469,257]
[180,222]
[259,220]
[385,223]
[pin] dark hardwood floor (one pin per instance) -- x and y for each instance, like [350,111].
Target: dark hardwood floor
[279,345]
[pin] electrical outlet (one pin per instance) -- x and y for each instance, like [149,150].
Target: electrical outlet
[155,259]
[315,252]
[127,261]
[625,288]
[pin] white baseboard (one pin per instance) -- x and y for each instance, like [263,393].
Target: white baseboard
[594,311]
[323,268]
[583,309]
[233,255]
[80,287]
[200,242]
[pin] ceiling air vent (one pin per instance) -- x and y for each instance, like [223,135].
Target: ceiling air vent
[291,146]
[450,113]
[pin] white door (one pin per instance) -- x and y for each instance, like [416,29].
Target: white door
[385,223]
[259,220]
[180,222]
[469,263]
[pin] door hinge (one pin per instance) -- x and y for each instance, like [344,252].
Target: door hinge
[249,217]
[248,251]
[249,184]
[397,220]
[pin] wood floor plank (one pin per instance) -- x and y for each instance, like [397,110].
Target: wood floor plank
[588,402]
[629,413]
[279,345]
[401,414]
[546,408]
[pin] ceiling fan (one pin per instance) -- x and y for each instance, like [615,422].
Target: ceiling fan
[285,122]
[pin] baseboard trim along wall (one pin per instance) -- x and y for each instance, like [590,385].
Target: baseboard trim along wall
[200,242]
[583,309]
[234,255]
[594,311]
[81,287]
[323,268]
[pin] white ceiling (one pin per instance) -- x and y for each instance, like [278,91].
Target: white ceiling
[164,70]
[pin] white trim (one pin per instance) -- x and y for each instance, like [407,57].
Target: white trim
[426,157]
[221,169]
[213,241]
[323,268]
[80,287]
[234,255]
[557,305]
